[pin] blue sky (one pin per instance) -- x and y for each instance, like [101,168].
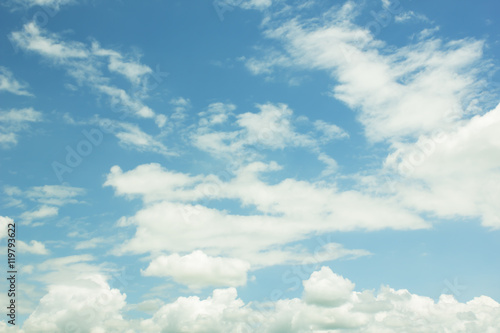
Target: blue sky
[251,165]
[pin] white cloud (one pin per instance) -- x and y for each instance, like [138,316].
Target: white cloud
[222,6]
[32,39]
[410,16]
[221,312]
[152,183]
[56,195]
[84,63]
[256,4]
[266,64]
[325,288]
[35,247]
[198,270]
[330,131]
[286,211]
[340,308]
[56,4]
[8,139]
[27,269]
[331,164]
[131,136]
[161,120]
[50,198]
[407,97]
[14,121]
[7,328]
[68,270]
[88,304]
[329,302]
[217,113]
[4,222]
[10,84]
[454,173]
[121,97]
[271,128]
[90,244]
[403,92]
[180,101]
[41,213]
[181,105]
[149,306]
[12,190]
[19,116]
[131,70]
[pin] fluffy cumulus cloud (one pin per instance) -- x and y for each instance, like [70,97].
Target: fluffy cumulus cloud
[199,270]
[87,304]
[221,312]
[420,104]
[174,220]
[329,302]
[453,173]
[327,288]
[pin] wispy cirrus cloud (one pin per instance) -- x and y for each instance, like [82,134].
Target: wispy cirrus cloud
[13,122]
[48,200]
[9,84]
[131,136]
[85,62]
[40,213]
[55,4]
